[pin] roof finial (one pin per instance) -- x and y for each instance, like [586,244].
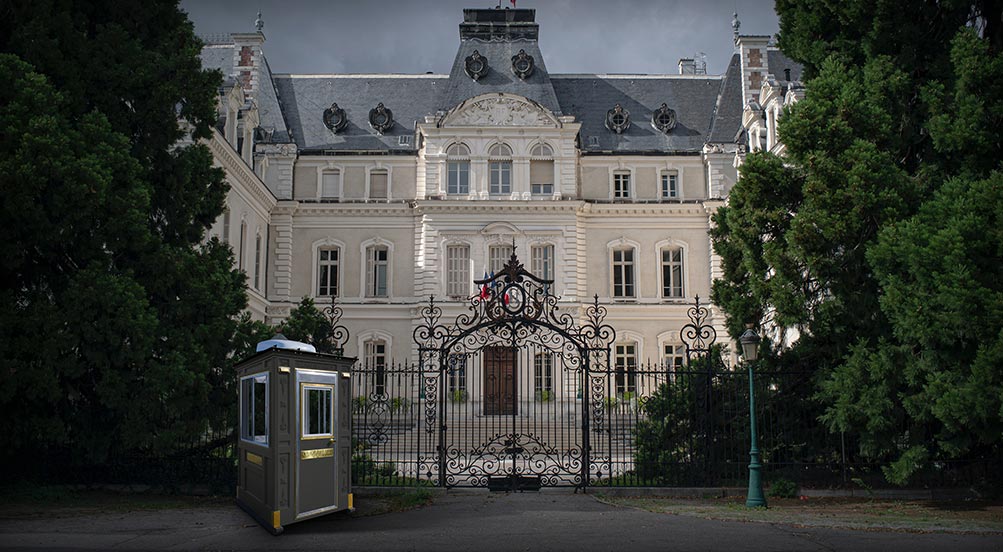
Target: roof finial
[259,23]
[735,24]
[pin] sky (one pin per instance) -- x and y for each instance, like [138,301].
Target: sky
[417,36]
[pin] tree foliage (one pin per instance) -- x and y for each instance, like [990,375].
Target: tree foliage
[877,235]
[117,313]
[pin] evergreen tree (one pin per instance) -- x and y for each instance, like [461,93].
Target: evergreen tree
[874,236]
[117,313]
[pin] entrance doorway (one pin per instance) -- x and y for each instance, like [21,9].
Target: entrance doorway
[500,385]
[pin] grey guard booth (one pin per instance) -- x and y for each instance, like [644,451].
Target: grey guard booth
[294,444]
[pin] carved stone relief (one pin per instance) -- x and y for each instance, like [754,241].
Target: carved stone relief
[500,112]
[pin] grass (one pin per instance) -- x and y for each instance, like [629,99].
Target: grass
[856,513]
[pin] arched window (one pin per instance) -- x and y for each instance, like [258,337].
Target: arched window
[457,169]
[625,363]
[257,261]
[375,362]
[541,169]
[500,169]
[240,256]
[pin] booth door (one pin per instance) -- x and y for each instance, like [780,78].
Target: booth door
[317,483]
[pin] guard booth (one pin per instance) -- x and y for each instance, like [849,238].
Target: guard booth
[294,449]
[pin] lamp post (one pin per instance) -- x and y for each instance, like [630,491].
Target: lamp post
[750,352]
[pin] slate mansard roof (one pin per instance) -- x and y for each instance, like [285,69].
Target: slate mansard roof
[707,107]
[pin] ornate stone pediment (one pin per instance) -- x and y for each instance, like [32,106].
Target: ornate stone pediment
[499,110]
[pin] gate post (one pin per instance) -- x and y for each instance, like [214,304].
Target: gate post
[586,441]
[441,447]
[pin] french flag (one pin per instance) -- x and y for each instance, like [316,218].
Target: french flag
[484,288]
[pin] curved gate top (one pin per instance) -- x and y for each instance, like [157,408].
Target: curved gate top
[513,386]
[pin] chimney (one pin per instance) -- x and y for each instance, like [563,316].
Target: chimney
[687,66]
[755,65]
[247,60]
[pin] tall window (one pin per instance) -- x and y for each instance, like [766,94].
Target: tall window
[498,255]
[378,184]
[226,225]
[541,170]
[623,272]
[621,185]
[672,272]
[670,185]
[625,362]
[457,169]
[330,183]
[457,270]
[240,256]
[327,272]
[500,169]
[457,376]
[376,363]
[254,409]
[377,270]
[673,357]
[542,261]
[543,374]
[257,261]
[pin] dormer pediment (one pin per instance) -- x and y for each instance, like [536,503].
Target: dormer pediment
[499,110]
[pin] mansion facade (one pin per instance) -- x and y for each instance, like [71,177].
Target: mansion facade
[379,190]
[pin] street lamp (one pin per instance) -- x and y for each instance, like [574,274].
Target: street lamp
[750,352]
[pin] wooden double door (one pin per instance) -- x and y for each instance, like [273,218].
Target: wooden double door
[500,389]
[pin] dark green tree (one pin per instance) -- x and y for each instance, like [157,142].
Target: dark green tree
[307,324]
[117,314]
[874,235]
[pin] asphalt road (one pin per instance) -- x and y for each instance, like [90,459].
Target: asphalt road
[555,520]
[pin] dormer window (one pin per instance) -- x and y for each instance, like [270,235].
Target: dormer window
[335,118]
[475,65]
[522,64]
[663,119]
[618,119]
[381,118]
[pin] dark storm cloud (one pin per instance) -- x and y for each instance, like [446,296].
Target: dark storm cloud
[576,36]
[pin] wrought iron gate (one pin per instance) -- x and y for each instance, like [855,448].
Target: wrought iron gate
[520,387]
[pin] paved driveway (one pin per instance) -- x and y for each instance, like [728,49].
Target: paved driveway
[554,520]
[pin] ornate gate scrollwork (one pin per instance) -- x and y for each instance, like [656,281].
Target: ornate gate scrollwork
[499,432]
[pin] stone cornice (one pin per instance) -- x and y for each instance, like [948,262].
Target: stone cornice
[235,166]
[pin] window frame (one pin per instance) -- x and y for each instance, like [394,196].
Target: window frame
[499,169]
[537,262]
[324,388]
[458,158]
[338,184]
[622,185]
[377,171]
[321,263]
[625,372]
[245,417]
[541,152]
[458,280]
[257,260]
[492,258]
[669,183]
[373,265]
[376,362]
[625,267]
[543,373]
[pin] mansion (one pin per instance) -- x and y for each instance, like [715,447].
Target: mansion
[379,190]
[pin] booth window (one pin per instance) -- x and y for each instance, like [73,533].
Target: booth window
[318,401]
[254,409]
